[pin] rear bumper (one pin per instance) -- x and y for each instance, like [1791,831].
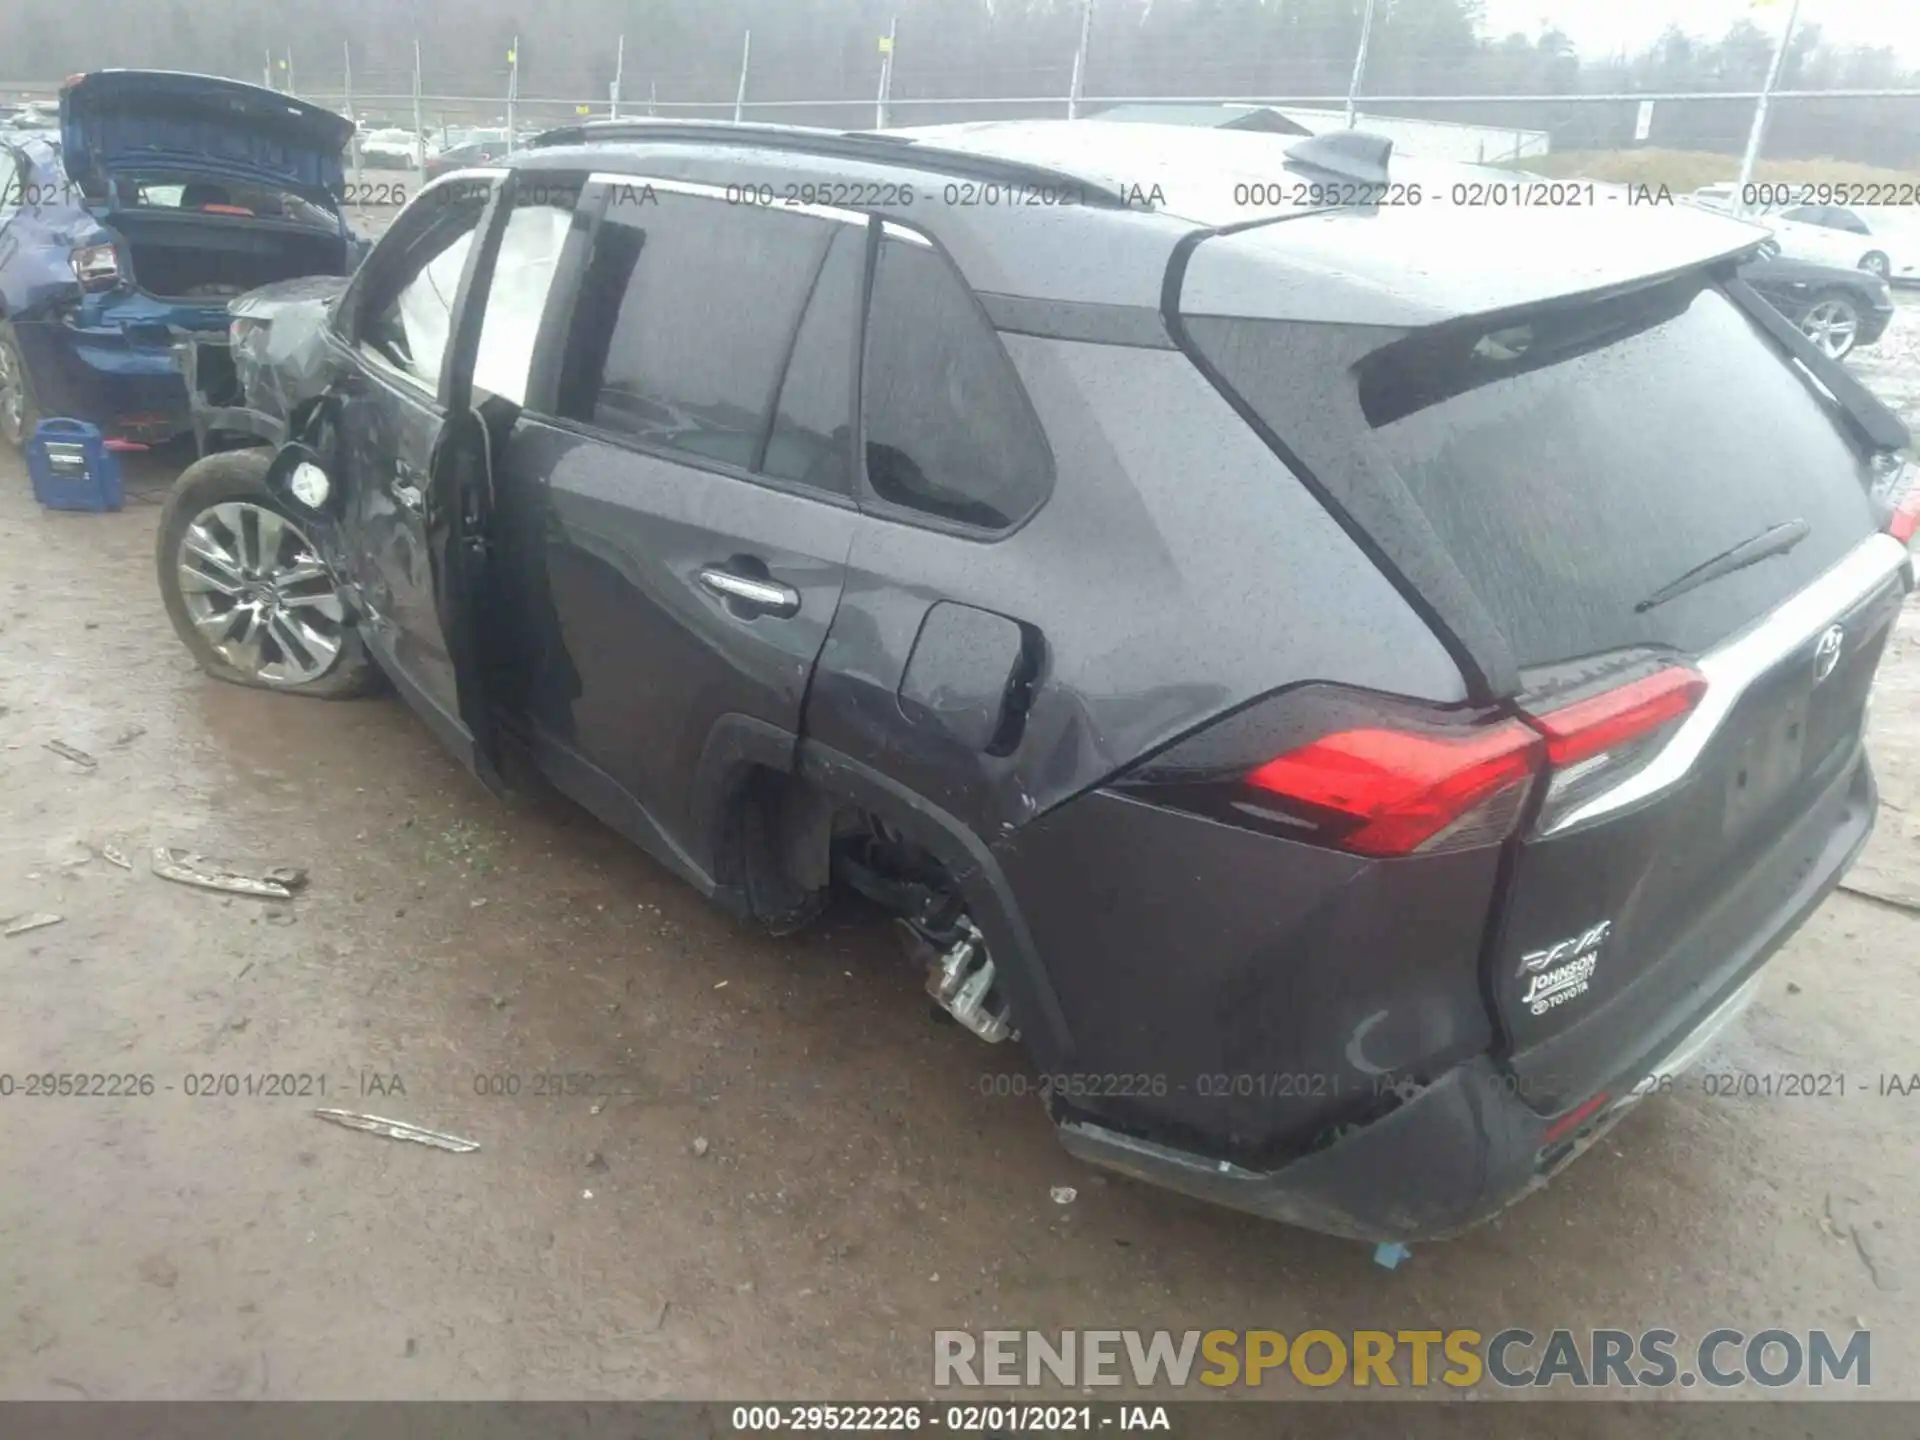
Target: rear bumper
[1466,1146]
[130,389]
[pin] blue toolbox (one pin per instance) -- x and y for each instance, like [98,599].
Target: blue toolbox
[72,468]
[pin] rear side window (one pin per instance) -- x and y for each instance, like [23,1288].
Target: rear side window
[949,430]
[687,312]
[1573,463]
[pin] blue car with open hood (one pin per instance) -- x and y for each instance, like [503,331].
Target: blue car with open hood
[165,196]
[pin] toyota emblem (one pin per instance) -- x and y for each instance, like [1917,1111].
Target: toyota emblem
[1826,654]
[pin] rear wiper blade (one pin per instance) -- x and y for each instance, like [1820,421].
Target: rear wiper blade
[1776,540]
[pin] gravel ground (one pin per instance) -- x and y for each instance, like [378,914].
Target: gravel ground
[791,1176]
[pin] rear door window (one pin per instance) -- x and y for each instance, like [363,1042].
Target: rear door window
[1574,463]
[950,433]
[689,309]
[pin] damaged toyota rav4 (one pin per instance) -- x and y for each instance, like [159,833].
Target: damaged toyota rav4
[1358,724]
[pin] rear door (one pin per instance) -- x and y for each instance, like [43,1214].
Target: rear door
[687,477]
[1666,527]
[398,325]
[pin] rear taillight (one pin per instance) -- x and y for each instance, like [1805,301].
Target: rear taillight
[96,267]
[1595,742]
[1906,516]
[1370,774]
[1380,791]
[1383,776]
[1898,497]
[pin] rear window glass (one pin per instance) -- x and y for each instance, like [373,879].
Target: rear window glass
[1573,462]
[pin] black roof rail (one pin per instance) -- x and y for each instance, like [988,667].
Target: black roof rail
[876,146]
[1348,154]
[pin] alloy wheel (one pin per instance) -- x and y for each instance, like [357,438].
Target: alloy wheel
[259,592]
[1832,325]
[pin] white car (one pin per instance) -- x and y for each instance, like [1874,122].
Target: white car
[1800,240]
[391,149]
[1886,238]
[1879,240]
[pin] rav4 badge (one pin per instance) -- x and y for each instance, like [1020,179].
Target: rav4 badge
[1560,972]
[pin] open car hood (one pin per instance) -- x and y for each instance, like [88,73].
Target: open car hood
[116,121]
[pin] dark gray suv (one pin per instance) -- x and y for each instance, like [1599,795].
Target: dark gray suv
[1357,683]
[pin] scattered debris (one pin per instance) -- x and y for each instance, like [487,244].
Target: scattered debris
[721,986]
[78,757]
[1064,1194]
[399,1130]
[700,1146]
[660,1318]
[243,970]
[586,1194]
[114,857]
[184,868]
[1792,988]
[596,1107]
[1388,1254]
[413,1347]
[127,736]
[22,924]
[597,1163]
[1884,885]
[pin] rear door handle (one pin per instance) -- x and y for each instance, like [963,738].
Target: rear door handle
[765,597]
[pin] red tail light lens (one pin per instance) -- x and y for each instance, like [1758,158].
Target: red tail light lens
[1906,516]
[1604,722]
[1596,742]
[1394,792]
[96,267]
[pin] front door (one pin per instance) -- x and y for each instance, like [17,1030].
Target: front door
[404,523]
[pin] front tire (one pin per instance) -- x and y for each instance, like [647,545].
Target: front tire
[247,591]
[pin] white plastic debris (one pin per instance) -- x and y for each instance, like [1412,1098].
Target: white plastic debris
[184,868]
[22,924]
[399,1130]
[1064,1194]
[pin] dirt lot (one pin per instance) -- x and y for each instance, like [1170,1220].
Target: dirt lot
[853,1188]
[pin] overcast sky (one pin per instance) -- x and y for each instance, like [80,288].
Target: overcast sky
[1602,26]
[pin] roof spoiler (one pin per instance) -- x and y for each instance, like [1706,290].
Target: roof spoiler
[1346,154]
[1881,427]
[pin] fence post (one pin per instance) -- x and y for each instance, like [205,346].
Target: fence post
[1076,84]
[653,97]
[1758,132]
[619,69]
[740,95]
[289,62]
[353,139]
[513,88]
[419,124]
[1359,63]
[886,73]
[266,72]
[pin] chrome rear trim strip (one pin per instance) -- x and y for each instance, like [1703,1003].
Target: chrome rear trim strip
[1734,667]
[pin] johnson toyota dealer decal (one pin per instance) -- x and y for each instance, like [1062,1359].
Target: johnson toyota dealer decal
[1561,972]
